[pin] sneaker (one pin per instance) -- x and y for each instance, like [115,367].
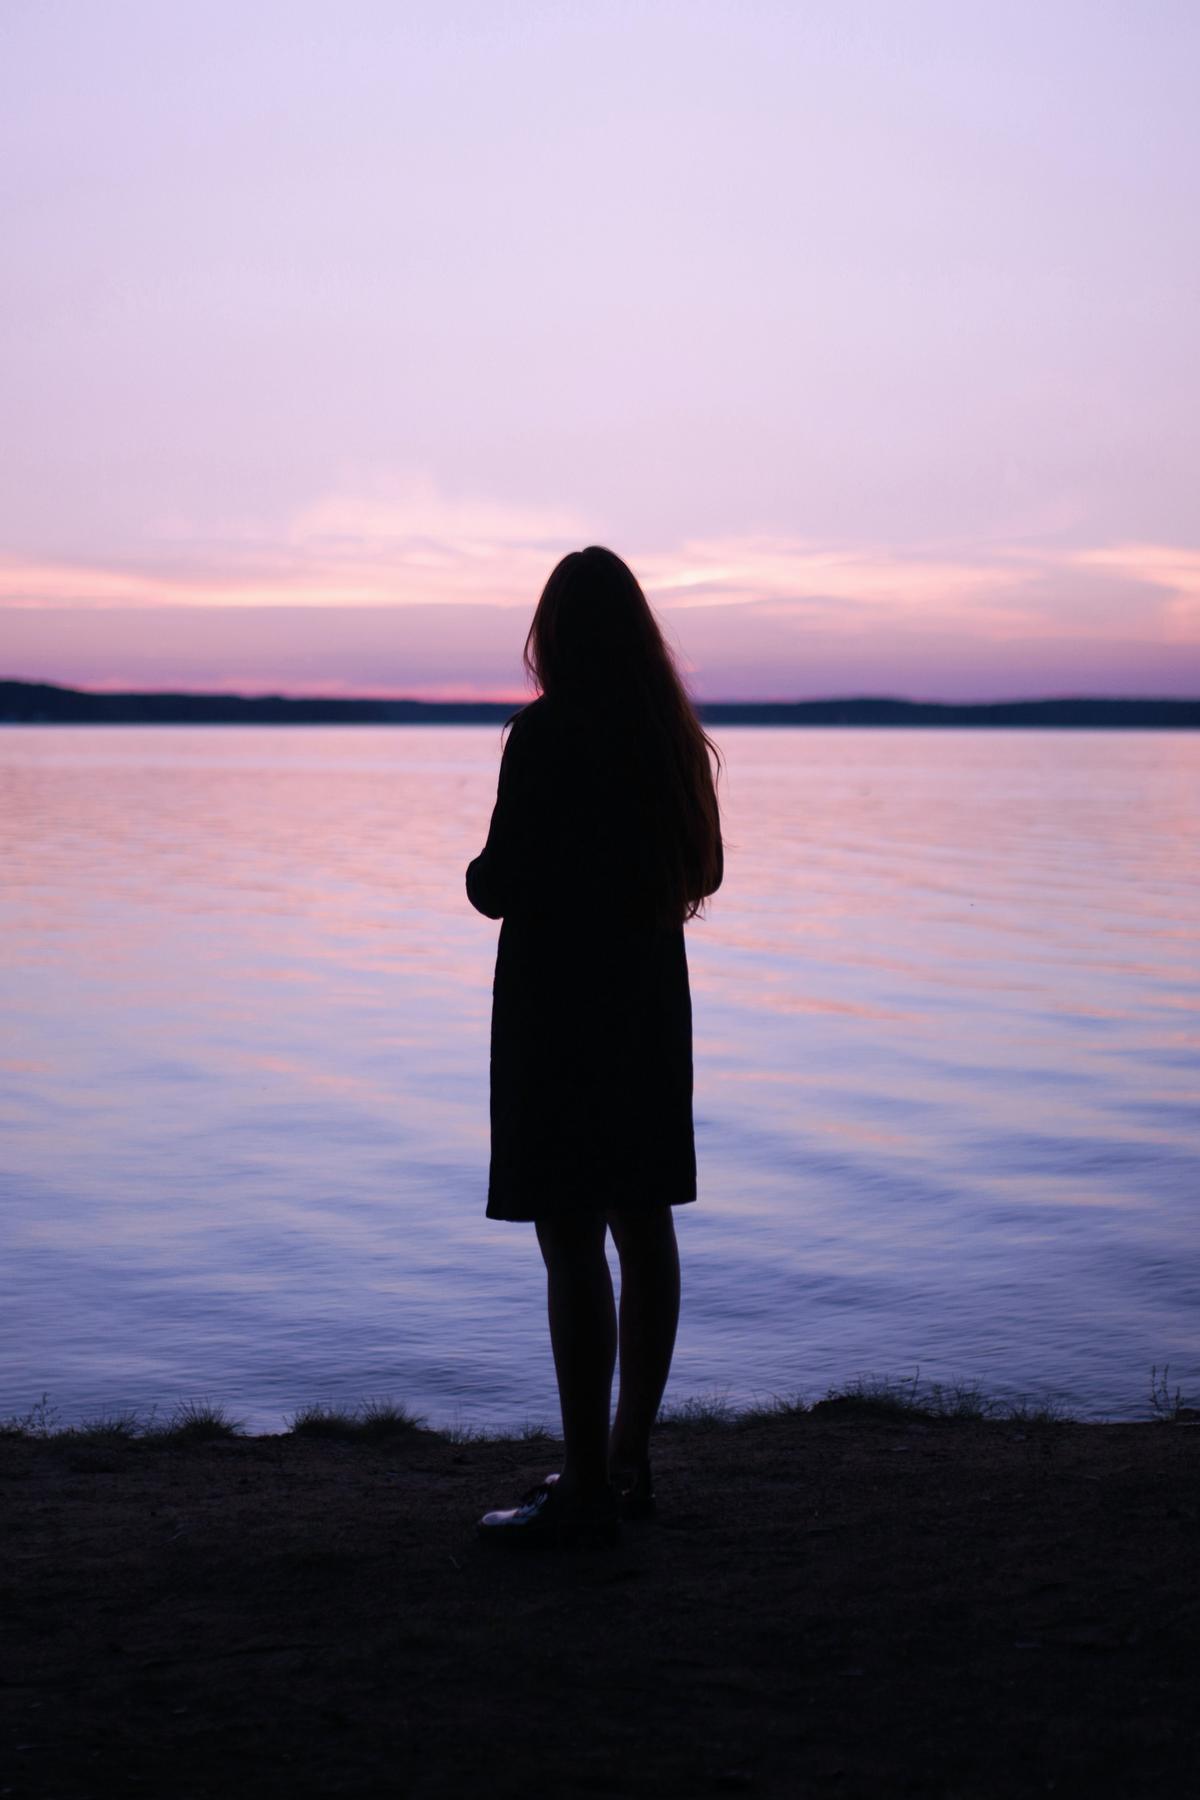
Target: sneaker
[634,1491]
[546,1517]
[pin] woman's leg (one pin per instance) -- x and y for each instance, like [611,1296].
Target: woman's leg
[649,1316]
[583,1333]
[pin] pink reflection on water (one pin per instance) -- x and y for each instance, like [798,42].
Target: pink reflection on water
[771,1001]
[946,986]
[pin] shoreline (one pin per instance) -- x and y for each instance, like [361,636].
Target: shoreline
[378,1418]
[842,1600]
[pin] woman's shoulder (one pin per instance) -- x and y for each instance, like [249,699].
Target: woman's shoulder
[528,716]
[542,710]
[531,738]
[546,741]
[541,721]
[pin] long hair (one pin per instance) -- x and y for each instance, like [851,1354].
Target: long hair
[595,645]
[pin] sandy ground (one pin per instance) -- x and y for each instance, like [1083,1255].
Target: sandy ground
[826,1607]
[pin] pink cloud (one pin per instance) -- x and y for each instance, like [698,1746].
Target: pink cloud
[401,589]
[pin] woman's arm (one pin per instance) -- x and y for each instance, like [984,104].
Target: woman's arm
[503,867]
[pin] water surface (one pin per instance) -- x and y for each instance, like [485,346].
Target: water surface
[947,1032]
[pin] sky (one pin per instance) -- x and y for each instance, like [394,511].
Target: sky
[866,332]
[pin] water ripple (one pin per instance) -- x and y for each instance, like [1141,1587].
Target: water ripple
[946,1071]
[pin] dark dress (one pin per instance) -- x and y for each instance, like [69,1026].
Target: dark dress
[591,1046]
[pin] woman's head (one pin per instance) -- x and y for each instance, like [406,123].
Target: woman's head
[593,632]
[595,645]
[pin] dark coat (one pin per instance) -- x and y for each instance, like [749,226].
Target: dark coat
[591,1047]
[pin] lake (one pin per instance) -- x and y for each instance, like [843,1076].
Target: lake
[947,1016]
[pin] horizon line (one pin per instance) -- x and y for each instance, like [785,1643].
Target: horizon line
[526,699]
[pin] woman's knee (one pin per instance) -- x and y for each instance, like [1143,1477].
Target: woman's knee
[572,1238]
[646,1233]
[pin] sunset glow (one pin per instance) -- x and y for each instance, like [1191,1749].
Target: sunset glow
[871,350]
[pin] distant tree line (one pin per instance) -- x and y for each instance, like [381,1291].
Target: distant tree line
[43,703]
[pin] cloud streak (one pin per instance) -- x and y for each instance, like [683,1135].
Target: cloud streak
[401,588]
[396,544]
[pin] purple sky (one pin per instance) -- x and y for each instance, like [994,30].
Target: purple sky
[866,332]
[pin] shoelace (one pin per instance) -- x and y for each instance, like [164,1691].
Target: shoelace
[542,1491]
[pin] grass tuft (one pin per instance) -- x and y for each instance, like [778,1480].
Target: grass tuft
[532,1433]
[322,1421]
[875,1397]
[41,1421]
[1034,1413]
[1167,1407]
[387,1419]
[701,1413]
[461,1433]
[195,1422]
[778,1406]
[107,1428]
[375,1421]
[883,1397]
[959,1400]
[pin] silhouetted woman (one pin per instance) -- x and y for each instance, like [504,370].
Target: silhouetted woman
[605,838]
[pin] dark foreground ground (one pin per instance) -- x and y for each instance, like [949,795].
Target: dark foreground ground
[827,1607]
